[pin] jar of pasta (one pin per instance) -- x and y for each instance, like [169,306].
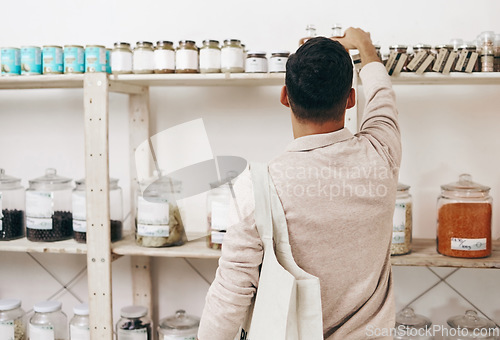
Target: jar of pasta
[464,219]
[402,222]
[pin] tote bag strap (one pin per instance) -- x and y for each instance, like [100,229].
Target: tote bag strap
[263,218]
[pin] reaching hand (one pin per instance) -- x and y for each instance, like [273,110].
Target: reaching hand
[356,38]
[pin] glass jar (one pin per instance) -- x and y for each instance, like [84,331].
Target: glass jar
[143,59]
[402,222]
[48,322]
[231,56]
[218,208]
[456,43]
[80,211]
[79,325]
[464,219]
[411,326]
[421,59]
[159,223]
[336,31]
[398,59]
[48,208]
[468,59]
[12,207]
[443,53]
[470,326]
[277,62]
[12,320]
[134,324]
[310,33]
[377,48]
[164,56]
[486,47]
[121,58]
[497,53]
[210,57]
[180,326]
[186,57]
[256,62]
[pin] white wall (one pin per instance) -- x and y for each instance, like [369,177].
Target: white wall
[446,130]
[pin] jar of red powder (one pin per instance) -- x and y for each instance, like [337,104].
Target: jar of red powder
[464,219]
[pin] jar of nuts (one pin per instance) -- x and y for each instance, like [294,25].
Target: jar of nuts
[402,222]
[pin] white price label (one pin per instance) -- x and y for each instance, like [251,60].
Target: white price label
[153,212]
[79,206]
[232,57]
[398,237]
[7,330]
[39,204]
[209,58]
[134,334]
[220,216]
[186,60]
[164,60]
[80,226]
[77,333]
[153,230]
[468,244]
[39,223]
[41,332]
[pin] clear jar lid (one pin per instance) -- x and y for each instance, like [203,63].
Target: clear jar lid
[47,306]
[88,46]
[9,304]
[51,181]
[179,321]
[282,54]
[113,184]
[465,187]
[187,43]
[456,42]
[8,182]
[422,47]
[133,312]
[161,188]
[486,37]
[256,54]
[470,321]
[144,44]
[82,309]
[408,318]
[403,187]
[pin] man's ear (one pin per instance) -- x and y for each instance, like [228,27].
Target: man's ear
[284,97]
[351,100]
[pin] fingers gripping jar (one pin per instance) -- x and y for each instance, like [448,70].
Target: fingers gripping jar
[402,222]
[12,207]
[12,320]
[48,322]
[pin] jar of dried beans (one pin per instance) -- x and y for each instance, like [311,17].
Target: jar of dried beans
[464,219]
[402,222]
[11,207]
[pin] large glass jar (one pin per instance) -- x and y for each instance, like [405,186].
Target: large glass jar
[411,326]
[464,219]
[143,60]
[486,47]
[134,324]
[80,211]
[186,57]
[79,325]
[421,59]
[48,208]
[164,57]
[218,208]
[159,222]
[12,320]
[468,59]
[402,222]
[48,322]
[210,57]
[12,207]
[180,326]
[310,33]
[121,58]
[398,59]
[231,57]
[470,326]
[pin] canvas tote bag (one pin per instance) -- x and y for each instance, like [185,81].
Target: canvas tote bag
[287,305]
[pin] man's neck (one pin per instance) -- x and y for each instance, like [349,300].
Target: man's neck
[301,128]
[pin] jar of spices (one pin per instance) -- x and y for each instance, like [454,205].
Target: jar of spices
[443,54]
[497,53]
[397,61]
[411,326]
[79,325]
[180,326]
[277,62]
[470,326]
[232,56]
[210,57]
[12,207]
[377,48]
[143,59]
[421,60]
[80,211]
[310,33]
[402,222]
[159,223]
[164,56]
[186,57]
[48,208]
[12,320]
[256,62]
[486,48]
[134,324]
[121,58]
[468,59]
[464,219]
[219,201]
[48,322]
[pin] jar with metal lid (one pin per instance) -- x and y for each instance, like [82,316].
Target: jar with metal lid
[443,54]
[12,207]
[310,33]
[336,31]
[377,48]
[219,200]
[497,53]
[164,55]
[79,325]
[231,57]
[80,211]
[95,58]
[256,62]
[180,326]
[210,57]
[468,59]
[143,58]
[121,58]
[402,222]
[186,57]
[486,47]
[48,208]
[411,326]
[421,60]
[398,59]
[277,62]
[245,52]
[48,322]
[470,326]
[134,324]
[464,219]
[12,320]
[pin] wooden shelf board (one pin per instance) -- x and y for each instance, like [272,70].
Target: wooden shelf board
[454,78]
[25,246]
[46,81]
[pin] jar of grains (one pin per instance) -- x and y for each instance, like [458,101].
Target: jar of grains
[79,324]
[186,57]
[143,60]
[232,56]
[48,322]
[134,324]
[210,57]
[485,44]
[411,326]
[464,219]
[164,56]
[12,320]
[12,207]
[121,58]
[402,222]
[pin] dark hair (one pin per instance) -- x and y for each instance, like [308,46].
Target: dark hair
[318,80]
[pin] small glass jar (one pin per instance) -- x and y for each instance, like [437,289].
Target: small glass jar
[443,53]
[79,325]
[231,57]
[180,326]
[12,320]
[310,33]
[336,31]
[121,58]
[402,222]
[48,208]
[398,59]
[12,207]
[277,62]
[470,326]
[377,48]
[497,53]
[218,209]
[486,47]
[411,326]
[48,322]
[134,324]
[186,57]
[468,59]
[164,56]
[421,60]
[456,43]
[210,57]
[464,219]
[256,62]
[79,204]
[143,60]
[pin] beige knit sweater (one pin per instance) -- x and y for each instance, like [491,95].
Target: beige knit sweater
[338,193]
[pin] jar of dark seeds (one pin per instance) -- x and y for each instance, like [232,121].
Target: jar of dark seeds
[402,222]
[12,320]
[11,207]
[80,211]
[134,324]
[48,208]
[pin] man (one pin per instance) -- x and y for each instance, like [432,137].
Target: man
[338,192]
